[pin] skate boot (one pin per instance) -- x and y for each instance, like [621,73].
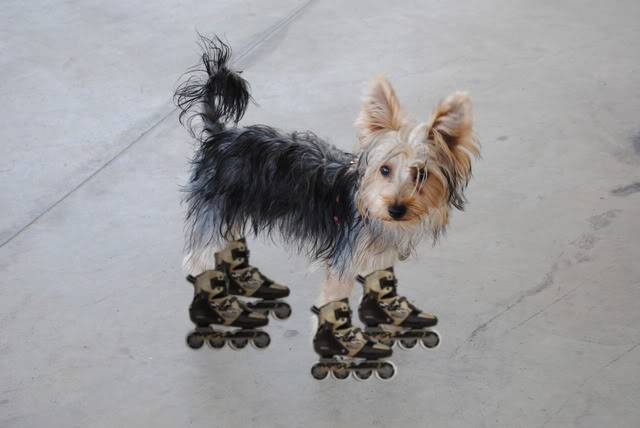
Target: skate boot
[246,280]
[212,305]
[389,317]
[345,349]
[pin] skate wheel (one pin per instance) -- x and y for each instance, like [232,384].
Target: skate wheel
[282,311]
[431,340]
[362,374]
[261,341]
[238,343]
[319,372]
[195,341]
[216,342]
[385,371]
[340,373]
[408,343]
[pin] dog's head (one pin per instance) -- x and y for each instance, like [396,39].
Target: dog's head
[413,170]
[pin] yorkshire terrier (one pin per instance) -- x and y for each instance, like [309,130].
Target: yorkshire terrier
[356,213]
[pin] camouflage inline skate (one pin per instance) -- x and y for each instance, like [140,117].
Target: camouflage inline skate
[391,318]
[212,305]
[345,349]
[247,281]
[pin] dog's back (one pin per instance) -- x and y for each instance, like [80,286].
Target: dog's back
[294,185]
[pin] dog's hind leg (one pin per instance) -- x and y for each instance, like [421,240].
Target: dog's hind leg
[199,260]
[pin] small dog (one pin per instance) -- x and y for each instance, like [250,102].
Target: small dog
[354,212]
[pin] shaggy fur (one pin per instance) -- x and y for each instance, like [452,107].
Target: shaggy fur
[330,203]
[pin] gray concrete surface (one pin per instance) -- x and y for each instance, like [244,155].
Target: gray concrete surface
[537,284]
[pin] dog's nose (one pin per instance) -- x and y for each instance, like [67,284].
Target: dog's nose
[397,211]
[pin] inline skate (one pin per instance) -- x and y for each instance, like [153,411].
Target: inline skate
[391,318]
[345,349]
[212,305]
[246,280]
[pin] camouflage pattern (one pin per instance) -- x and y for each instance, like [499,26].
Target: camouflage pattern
[236,257]
[212,282]
[350,337]
[383,284]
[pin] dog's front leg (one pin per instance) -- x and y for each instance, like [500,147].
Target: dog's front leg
[365,263]
[336,287]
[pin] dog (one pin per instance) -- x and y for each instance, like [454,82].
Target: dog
[352,212]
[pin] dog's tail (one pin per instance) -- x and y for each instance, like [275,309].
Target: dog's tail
[215,93]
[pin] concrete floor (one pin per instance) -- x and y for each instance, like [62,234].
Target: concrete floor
[537,284]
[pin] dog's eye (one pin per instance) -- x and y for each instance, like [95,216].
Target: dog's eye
[385,170]
[421,175]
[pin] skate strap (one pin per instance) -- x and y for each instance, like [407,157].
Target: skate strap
[315,310]
[246,273]
[343,313]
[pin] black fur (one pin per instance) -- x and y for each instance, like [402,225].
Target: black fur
[258,179]
[222,93]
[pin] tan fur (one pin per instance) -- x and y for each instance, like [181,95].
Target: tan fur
[380,110]
[451,130]
[443,146]
[335,288]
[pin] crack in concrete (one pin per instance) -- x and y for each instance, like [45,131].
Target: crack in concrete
[87,179]
[584,382]
[616,359]
[627,190]
[564,296]
[267,34]
[585,242]
[546,282]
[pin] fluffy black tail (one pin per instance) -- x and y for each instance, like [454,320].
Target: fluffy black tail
[216,94]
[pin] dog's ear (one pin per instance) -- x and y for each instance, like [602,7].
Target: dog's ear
[381,110]
[451,126]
